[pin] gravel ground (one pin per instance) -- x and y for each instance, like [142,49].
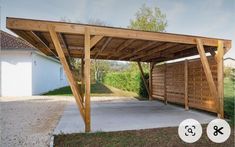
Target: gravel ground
[29,121]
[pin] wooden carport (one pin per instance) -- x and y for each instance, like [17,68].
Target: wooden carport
[69,40]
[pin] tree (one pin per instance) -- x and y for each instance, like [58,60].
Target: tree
[149,19]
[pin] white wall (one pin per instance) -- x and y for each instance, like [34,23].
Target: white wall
[16,73]
[46,74]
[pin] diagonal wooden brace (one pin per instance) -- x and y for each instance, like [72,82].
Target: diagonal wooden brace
[207,70]
[68,72]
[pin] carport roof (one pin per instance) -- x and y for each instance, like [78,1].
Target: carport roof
[111,43]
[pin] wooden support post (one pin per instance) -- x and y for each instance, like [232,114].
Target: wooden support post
[165,86]
[186,84]
[220,77]
[64,62]
[143,78]
[82,79]
[151,64]
[87,81]
[208,73]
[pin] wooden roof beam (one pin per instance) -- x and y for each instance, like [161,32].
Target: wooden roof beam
[103,47]
[149,44]
[43,41]
[176,49]
[62,38]
[95,40]
[122,47]
[32,41]
[154,51]
[39,25]
[168,53]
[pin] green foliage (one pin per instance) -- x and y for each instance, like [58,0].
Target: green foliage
[142,90]
[129,81]
[229,99]
[99,68]
[149,19]
[228,72]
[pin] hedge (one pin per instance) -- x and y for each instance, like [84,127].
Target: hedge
[128,81]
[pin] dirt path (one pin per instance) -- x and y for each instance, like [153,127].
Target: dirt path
[29,121]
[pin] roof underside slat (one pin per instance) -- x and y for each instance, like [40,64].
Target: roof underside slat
[117,43]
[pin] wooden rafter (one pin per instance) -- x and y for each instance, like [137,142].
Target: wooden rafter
[143,78]
[43,47]
[155,51]
[103,47]
[121,47]
[95,40]
[176,49]
[207,70]
[43,41]
[141,48]
[64,42]
[124,45]
[72,82]
[212,52]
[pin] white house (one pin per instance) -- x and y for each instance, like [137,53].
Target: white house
[24,71]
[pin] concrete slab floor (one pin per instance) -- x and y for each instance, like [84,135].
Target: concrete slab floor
[127,115]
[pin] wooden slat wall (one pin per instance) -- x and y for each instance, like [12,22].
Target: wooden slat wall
[158,82]
[175,82]
[199,95]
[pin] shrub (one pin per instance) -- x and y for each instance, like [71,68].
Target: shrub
[128,81]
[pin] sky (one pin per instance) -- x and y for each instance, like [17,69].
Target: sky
[211,18]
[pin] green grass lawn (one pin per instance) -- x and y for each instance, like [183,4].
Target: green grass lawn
[229,98]
[97,89]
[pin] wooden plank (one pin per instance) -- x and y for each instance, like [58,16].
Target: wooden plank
[141,48]
[220,77]
[165,84]
[43,41]
[186,84]
[61,36]
[121,47]
[38,25]
[208,73]
[151,64]
[87,44]
[103,47]
[95,40]
[154,52]
[143,78]
[125,44]
[42,47]
[72,82]
[64,44]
